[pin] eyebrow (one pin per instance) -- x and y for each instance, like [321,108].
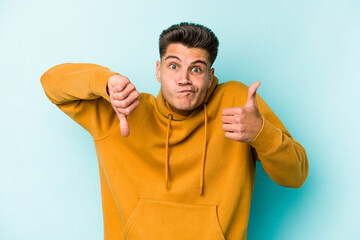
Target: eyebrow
[197,61]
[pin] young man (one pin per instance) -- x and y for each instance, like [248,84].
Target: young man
[181,165]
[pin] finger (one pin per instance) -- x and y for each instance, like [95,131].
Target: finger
[129,88]
[119,84]
[231,119]
[251,100]
[232,135]
[233,111]
[130,109]
[113,80]
[124,126]
[231,127]
[127,102]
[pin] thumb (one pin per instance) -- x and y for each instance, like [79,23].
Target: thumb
[251,100]
[124,126]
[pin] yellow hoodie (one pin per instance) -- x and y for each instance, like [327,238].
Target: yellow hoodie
[174,177]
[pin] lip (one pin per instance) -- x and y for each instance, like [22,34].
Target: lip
[186,91]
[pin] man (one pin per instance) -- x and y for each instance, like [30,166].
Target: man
[181,165]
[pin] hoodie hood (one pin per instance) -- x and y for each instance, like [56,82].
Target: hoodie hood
[165,110]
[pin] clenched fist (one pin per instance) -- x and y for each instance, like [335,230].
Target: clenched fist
[243,123]
[123,98]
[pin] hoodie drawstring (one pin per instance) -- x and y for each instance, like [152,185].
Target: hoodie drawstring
[167,153]
[203,155]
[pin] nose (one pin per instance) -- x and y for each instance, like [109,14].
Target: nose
[184,79]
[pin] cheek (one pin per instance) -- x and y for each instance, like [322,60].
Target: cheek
[169,82]
[166,88]
[203,86]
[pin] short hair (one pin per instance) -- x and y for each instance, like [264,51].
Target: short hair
[190,35]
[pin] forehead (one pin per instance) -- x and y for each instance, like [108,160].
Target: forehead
[185,53]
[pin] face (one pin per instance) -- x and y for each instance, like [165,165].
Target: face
[185,77]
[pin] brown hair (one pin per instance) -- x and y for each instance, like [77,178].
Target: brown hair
[190,35]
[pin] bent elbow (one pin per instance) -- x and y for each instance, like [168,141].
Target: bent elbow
[298,179]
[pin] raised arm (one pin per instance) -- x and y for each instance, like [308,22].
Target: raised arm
[283,158]
[80,91]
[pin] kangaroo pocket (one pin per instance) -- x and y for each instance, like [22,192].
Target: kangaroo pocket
[160,220]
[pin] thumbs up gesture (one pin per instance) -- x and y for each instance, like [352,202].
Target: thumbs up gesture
[123,98]
[243,123]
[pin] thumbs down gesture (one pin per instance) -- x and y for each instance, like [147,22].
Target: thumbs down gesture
[123,98]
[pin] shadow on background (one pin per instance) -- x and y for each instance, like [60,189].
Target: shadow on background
[270,206]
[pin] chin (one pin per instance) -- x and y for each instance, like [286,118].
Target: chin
[186,107]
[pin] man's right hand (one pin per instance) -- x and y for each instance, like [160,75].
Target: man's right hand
[123,98]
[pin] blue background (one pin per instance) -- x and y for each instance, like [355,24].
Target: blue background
[305,53]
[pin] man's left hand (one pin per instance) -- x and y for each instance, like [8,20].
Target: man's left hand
[243,123]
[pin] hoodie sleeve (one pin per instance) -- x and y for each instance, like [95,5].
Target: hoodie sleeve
[79,90]
[282,158]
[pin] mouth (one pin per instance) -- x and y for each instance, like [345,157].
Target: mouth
[186,91]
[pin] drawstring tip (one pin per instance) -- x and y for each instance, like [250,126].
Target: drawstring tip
[166,184]
[201,190]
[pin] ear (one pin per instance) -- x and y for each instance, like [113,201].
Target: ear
[158,66]
[211,76]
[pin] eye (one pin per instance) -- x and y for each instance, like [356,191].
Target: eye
[196,70]
[173,66]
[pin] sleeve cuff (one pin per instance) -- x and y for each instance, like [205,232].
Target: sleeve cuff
[268,138]
[98,82]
